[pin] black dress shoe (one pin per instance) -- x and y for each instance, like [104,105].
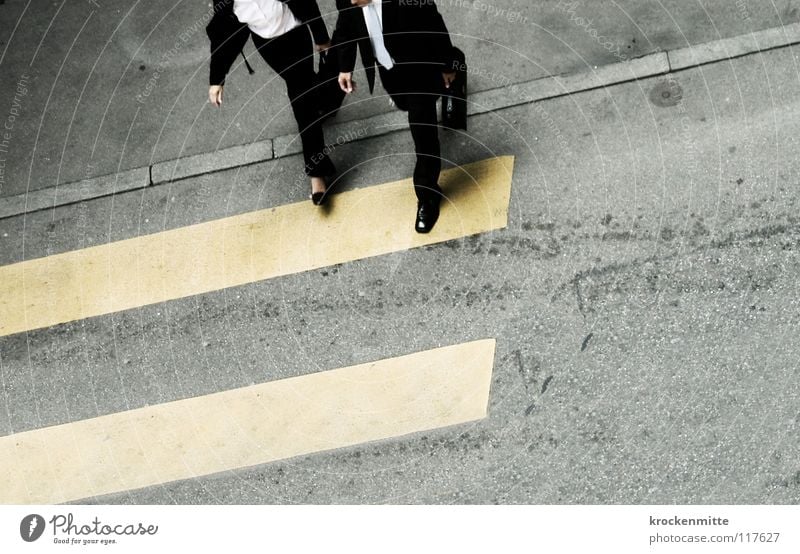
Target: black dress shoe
[319,198]
[427,214]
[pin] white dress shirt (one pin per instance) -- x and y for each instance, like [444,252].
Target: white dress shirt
[266,18]
[373,15]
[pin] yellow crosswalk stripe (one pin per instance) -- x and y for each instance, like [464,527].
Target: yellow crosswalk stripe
[248,426]
[247,248]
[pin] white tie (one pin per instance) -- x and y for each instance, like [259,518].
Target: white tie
[373,15]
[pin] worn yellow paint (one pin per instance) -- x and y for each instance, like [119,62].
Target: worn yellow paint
[246,248]
[244,427]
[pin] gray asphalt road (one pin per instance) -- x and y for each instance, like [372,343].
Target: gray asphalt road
[644,300]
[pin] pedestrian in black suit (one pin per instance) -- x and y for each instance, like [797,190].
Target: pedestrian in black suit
[280,32]
[409,43]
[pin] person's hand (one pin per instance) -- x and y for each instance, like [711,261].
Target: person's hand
[449,78]
[360,3]
[322,47]
[346,82]
[215,95]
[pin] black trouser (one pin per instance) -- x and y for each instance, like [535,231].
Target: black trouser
[291,56]
[415,89]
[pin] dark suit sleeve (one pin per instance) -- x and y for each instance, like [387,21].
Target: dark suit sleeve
[438,37]
[346,35]
[227,37]
[307,12]
[317,25]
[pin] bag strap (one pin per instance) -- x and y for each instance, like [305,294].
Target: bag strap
[249,69]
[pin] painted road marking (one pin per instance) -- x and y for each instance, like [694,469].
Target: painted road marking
[246,248]
[249,426]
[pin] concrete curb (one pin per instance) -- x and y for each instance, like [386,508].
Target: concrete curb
[200,164]
[79,191]
[734,47]
[518,94]
[563,85]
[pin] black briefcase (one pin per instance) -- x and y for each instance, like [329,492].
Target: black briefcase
[454,99]
[328,93]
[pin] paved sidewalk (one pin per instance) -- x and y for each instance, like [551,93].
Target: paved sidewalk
[104,87]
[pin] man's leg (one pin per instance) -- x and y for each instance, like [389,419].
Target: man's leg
[425,132]
[422,120]
[413,90]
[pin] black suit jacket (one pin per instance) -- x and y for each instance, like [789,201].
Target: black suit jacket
[413,32]
[228,35]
